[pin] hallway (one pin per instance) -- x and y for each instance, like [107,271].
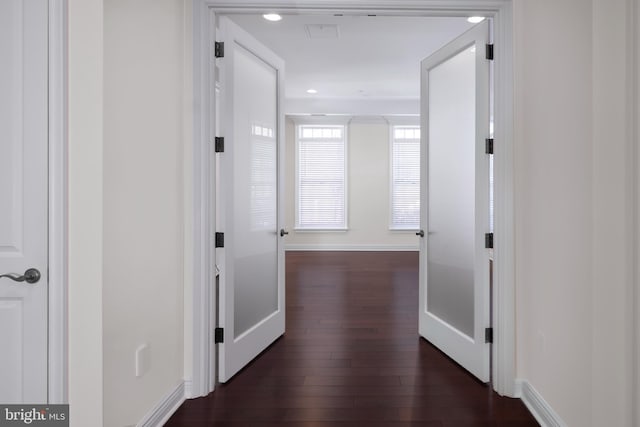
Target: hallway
[351,355]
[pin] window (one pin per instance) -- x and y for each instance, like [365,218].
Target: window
[405,177]
[320,178]
[263,178]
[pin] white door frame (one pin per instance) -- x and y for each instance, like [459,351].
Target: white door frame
[58,337]
[633,133]
[204,310]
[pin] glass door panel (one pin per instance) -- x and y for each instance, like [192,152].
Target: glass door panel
[454,265]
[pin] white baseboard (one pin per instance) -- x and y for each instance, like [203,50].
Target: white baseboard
[539,408]
[370,248]
[188,390]
[165,408]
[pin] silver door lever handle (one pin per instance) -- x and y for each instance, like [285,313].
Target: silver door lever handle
[32,275]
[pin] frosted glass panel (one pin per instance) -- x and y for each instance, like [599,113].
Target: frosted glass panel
[451,193]
[255,154]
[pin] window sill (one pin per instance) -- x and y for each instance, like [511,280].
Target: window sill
[404,230]
[321,230]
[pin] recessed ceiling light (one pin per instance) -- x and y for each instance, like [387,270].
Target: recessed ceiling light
[312,91]
[475,19]
[274,17]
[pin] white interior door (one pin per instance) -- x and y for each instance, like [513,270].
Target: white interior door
[23,200]
[454,264]
[252,311]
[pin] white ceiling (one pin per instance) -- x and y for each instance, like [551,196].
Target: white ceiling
[373,58]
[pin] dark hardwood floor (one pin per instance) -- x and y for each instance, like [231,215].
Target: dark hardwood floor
[351,356]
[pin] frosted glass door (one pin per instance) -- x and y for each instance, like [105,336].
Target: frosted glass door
[252,286]
[454,298]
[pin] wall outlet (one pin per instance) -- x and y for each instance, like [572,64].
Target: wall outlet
[143,359]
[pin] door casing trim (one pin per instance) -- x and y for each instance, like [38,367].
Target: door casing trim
[633,135]
[57,204]
[204,309]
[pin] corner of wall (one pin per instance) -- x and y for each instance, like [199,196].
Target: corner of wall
[163,410]
[539,408]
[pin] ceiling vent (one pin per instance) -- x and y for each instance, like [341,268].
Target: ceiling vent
[322,31]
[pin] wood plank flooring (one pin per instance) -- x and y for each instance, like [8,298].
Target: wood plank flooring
[351,356]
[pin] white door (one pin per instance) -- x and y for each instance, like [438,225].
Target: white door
[251,180]
[23,200]
[454,264]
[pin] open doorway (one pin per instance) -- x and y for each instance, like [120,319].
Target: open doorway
[327,150]
[359,73]
[495,14]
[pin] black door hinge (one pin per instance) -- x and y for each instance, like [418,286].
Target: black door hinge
[219,142]
[488,146]
[219,240]
[488,335]
[488,241]
[218,335]
[219,49]
[489,51]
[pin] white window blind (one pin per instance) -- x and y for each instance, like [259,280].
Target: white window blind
[405,177]
[321,157]
[264,178]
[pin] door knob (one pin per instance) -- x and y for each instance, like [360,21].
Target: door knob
[283,232]
[420,233]
[32,275]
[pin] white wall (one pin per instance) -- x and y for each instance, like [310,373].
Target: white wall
[573,224]
[613,220]
[85,143]
[571,229]
[144,131]
[367,193]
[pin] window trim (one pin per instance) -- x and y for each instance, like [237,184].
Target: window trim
[341,121]
[393,122]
